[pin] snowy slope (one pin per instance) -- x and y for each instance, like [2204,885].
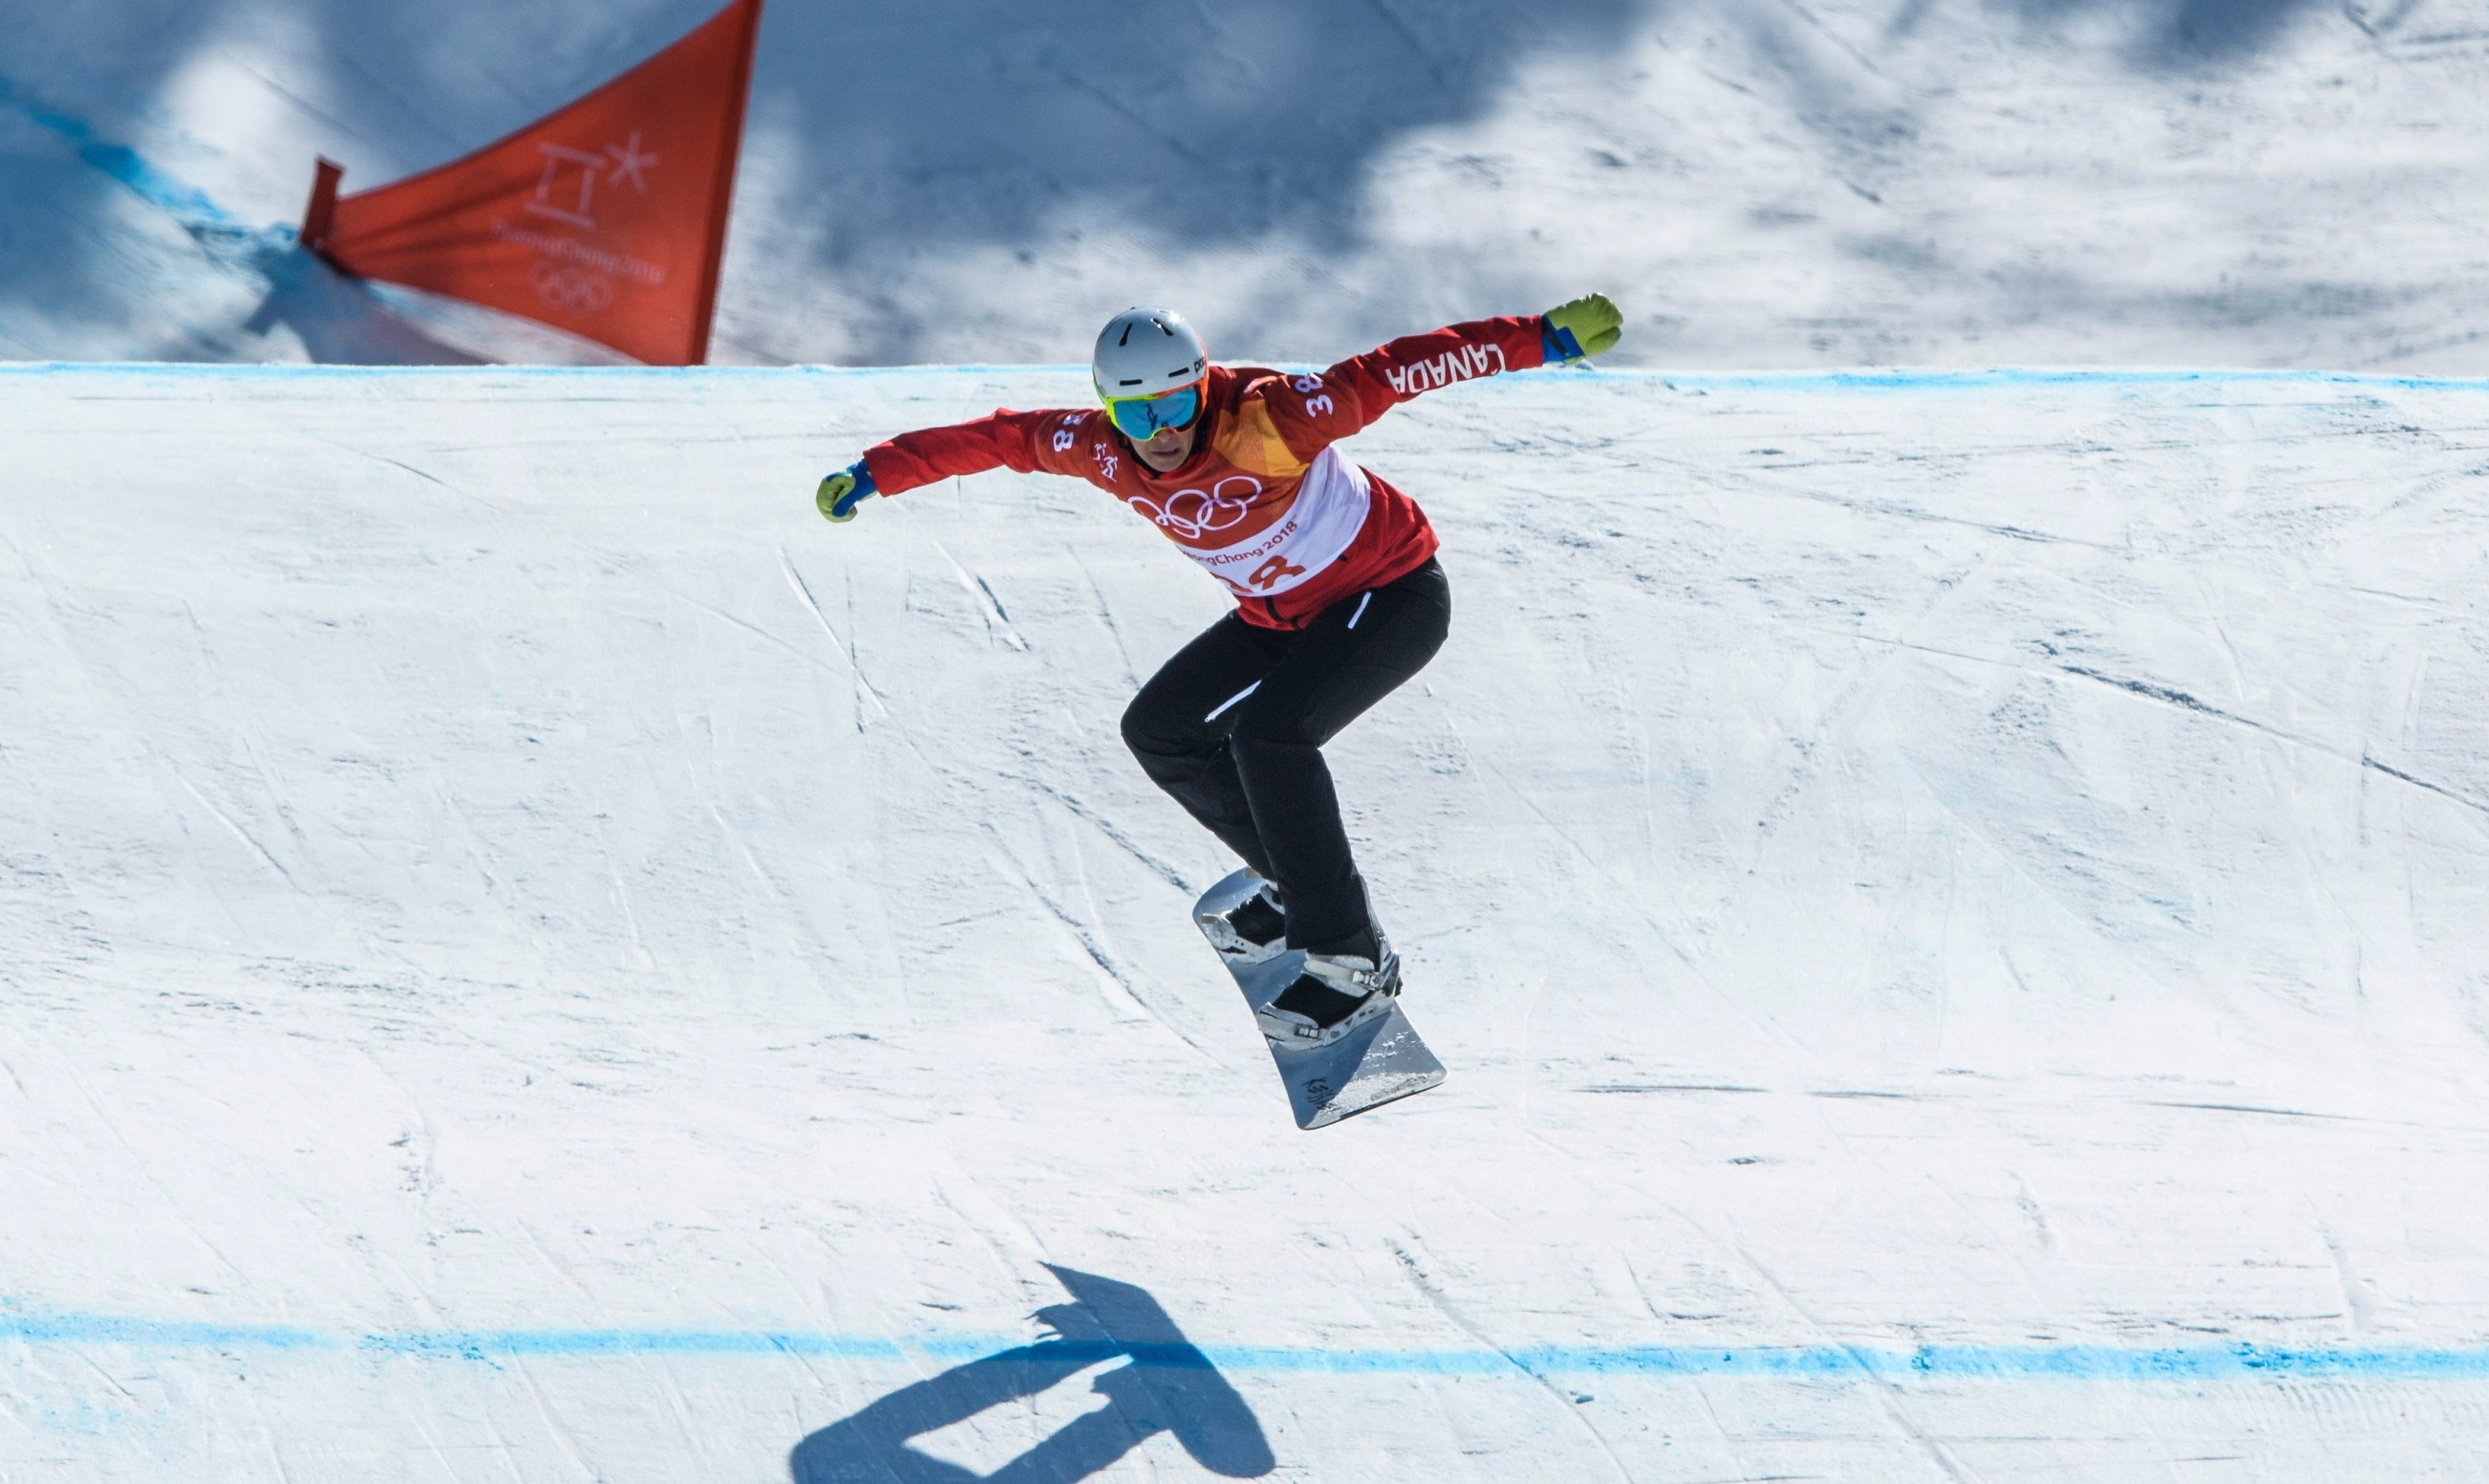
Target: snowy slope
[1954,906]
[1934,182]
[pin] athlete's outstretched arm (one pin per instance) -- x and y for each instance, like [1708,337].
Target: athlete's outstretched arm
[1028,443]
[1312,410]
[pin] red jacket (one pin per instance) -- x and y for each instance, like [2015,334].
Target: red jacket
[1265,503]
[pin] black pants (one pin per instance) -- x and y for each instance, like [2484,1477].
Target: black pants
[1233,727]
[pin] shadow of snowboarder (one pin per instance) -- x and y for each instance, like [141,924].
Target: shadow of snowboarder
[1168,1387]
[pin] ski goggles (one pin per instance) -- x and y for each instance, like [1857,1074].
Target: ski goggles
[1139,417]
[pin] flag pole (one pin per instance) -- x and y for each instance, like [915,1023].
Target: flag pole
[321,215]
[723,199]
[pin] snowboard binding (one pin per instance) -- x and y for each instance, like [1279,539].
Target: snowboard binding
[1331,995]
[1256,930]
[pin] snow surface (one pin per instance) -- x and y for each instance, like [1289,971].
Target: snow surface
[1954,906]
[2271,183]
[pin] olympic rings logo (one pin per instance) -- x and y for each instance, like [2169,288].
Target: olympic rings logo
[574,290]
[1193,514]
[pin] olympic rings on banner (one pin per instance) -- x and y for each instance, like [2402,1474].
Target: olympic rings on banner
[572,290]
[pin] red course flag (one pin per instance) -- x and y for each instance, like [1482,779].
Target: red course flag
[606,217]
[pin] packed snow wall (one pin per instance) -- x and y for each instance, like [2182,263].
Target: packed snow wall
[1835,183]
[1954,905]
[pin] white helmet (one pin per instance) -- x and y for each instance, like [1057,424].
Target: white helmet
[1144,352]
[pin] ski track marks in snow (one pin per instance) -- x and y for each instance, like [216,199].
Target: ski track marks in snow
[865,690]
[2170,696]
[1925,1001]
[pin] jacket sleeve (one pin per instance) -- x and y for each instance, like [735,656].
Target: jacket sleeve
[1310,412]
[1027,443]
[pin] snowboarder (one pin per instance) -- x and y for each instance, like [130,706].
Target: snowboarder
[1338,596]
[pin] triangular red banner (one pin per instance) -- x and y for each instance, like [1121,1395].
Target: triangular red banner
[606,219]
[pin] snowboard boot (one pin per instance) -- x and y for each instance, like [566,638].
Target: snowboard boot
[1251,933]
[1334,994]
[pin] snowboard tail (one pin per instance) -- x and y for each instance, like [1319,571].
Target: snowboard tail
[1377,1062]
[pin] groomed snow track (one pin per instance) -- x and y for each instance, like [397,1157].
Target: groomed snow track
[1954,903]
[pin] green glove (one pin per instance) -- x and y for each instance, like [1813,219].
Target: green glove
[1586,326]
[841,493]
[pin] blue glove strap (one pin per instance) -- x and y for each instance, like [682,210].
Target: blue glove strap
[1558,345]
[846,504]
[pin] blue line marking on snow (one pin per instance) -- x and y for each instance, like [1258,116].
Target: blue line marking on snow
[1820,1362]
[152,1333]
[120,161]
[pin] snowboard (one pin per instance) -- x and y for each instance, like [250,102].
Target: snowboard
[1377,1062]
